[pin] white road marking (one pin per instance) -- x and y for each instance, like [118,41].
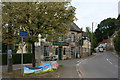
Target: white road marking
[108,61]
[78,71]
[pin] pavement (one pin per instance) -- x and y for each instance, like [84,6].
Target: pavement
[69,69]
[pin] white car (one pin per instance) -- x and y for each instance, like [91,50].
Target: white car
[101,49]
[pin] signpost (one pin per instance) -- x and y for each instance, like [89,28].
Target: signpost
[22,34]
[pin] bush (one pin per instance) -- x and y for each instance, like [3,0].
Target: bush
[27,58]
[117,42]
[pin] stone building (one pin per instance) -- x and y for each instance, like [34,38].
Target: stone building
[86,46]
[65,48]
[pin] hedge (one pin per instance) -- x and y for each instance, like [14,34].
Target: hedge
[16,58]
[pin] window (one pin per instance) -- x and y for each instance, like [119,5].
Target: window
[64,51]
[111,43]
[83,49]
[56,51]
[72,37]
[46,51]
[86,49]
[72,51]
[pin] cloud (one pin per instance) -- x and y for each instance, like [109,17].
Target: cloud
[95,1]
[88,11]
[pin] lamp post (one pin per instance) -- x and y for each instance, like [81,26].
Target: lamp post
[38,44]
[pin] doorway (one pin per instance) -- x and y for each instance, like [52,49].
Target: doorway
[72,51]
[60,53]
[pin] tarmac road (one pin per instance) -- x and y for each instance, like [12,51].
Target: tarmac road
[102,65]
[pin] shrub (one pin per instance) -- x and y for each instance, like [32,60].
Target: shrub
[27,58]
[117,42]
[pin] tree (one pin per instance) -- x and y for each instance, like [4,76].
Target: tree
[117,38]
[93,45]
[46,18]
[106,28]
[117,43]
[118,22]
[89,32]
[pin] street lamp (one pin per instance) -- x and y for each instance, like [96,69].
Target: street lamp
[39,38]
[38,44]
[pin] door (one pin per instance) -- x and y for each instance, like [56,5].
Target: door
[60,53]
[72,51]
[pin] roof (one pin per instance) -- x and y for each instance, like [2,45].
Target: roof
[74,27]
[84,34]
[104,41]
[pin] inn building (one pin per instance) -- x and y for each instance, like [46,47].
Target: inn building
[65,48]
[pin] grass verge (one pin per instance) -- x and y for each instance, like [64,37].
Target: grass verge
[49,74]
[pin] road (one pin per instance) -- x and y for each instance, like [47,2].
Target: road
[102,65]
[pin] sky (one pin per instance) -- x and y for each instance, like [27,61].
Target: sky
[88,11]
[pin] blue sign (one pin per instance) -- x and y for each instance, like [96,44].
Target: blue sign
[23,33]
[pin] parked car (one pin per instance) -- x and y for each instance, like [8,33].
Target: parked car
[101,49]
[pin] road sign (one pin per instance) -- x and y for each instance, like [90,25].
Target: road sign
[23,33]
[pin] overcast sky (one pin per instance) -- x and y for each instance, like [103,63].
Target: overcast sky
[88,11]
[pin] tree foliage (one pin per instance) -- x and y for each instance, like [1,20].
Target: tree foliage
[94,43]
[89,31]
[106,28]
[118,22]
[117,42]
[117,38]
[46,18]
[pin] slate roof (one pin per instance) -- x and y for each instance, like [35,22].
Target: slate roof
[74,27]
[84,34]
[104,41]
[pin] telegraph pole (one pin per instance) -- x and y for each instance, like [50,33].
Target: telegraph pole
[92,39]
